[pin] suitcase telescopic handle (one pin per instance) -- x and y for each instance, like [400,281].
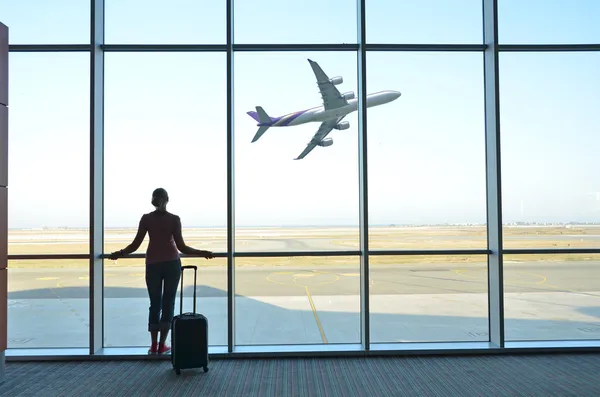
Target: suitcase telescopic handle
[181,299]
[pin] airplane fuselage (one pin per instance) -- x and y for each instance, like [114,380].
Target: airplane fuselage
[319,114]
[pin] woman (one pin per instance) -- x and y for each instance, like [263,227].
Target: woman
[163,265]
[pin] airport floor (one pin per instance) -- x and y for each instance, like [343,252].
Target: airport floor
[491,375]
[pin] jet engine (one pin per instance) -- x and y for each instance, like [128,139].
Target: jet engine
[325,142]
[344,125]
[348,95]
[336,80]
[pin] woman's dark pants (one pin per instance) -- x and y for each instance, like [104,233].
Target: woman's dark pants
[162,280]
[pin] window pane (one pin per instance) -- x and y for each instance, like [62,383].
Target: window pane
[548,22]
[48,303]
[165,126]
[48,195]
[286,21]
[424,22]
[551,297]
[297,300]
[550,127]
[46,22]
[436,298]
[284,204]
[160,22]
[127,302]
[426,151]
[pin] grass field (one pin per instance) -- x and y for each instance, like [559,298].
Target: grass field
[37,242]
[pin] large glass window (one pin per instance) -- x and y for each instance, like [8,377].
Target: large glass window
[126,302]
[48,195]
[297,300]
[160,22]
[551,297]
[426,151]
[424,22]
[548,105]
[548,22]
[283,204]
[48,303]
[291,22]
[165,126]
[47,22]
[434,298]
[296,190]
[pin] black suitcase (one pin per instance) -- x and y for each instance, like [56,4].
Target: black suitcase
[189,335]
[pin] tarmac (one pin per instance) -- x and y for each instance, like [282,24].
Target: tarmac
[320,304]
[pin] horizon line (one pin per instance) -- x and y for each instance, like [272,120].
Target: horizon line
[518,223]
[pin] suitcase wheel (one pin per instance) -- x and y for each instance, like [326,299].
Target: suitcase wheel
[205,368]
[177,371]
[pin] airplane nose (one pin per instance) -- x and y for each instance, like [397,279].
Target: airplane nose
[396,94]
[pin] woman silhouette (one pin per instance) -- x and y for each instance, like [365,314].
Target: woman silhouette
[163,265]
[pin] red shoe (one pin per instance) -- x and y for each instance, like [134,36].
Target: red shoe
[153,349]
[164,349]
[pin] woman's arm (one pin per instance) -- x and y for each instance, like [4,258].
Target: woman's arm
[137,241]
[184,248]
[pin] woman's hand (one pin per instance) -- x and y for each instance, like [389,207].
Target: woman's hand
[115,255]
[207,254]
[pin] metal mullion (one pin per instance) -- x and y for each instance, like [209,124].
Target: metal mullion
[96,177]
[429,252]
[302,47]
[548,47]
[279,254]
[262,254]
[363,177]
[164,47]
[284,254]
[493,174]
[294,47]
[230,185]
[547,251]
[35,257]
[258,254]
[182,256]
[49,48]
[426,47]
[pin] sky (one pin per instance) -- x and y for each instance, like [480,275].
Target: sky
[165,114]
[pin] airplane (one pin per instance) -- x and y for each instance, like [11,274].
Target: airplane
[335,107]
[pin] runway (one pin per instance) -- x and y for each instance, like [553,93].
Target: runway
[299,300]
[396,279]
[303,240]
[420,302]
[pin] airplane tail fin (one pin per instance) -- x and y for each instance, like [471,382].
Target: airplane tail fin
[254,115]
[260,116]
[264,122]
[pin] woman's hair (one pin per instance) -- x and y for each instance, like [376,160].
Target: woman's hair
[159,197]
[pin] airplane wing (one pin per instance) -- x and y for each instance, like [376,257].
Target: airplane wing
[323,131]
[332,99]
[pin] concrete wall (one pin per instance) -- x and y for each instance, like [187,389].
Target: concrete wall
[3,193]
